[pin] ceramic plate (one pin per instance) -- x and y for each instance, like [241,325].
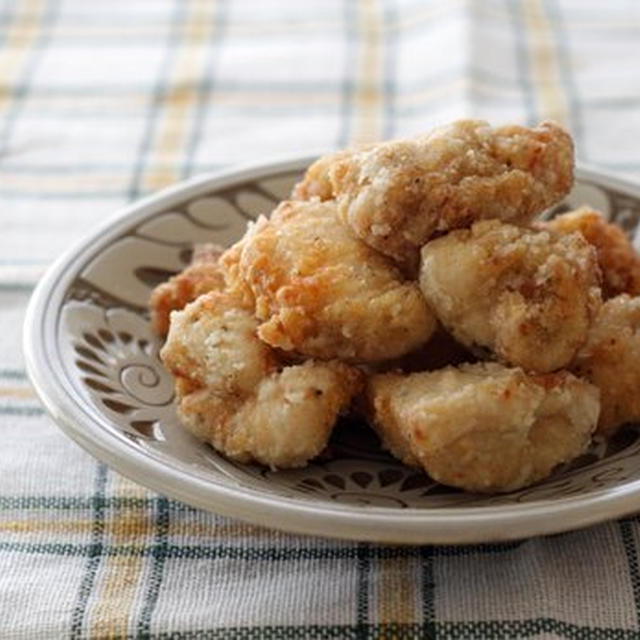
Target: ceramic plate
[93,360]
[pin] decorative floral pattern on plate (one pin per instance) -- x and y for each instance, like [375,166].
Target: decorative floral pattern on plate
[113,362]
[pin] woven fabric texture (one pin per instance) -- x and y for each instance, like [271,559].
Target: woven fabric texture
[104,102]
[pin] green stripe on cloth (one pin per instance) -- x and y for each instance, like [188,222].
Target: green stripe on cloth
[21,411]
[213,550]
[207,87]
[94,553]
[12,374]
[481,629]
[364,577]
[159,552]
[158,95]
[428,587]
[627,531]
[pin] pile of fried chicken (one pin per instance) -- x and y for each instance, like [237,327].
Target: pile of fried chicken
[410,282]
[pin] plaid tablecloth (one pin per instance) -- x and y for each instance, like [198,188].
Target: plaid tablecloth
[102,102]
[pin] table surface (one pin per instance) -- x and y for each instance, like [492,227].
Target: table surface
[101,103]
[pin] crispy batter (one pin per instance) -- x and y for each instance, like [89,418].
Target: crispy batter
[201,276]
[230,264]
[483,427]
[619,262]
[316,182]
[212,343]
[611,360]
[529,296]
[323,293]
[397,195]
[233,393]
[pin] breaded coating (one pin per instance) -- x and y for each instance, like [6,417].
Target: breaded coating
[528,296]
[397,195]
[201,276]
[323,293]
[316,182]
[233,392]
[611,360]
[284,424]
[230,264]
[618,260]
[213,343]
[483,427]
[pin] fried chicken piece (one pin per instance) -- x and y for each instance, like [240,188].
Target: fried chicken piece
[323,293]
[483,427]
[230,264]
[201,276]
[619,262]
[316,182]
[397,195]
[234,393]
[529,296]
[611,360]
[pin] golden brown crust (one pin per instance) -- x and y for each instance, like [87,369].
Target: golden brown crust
[201,276]
[483,427]
[619,262]
[230,264]
[285,423]
[396,195]
[234,393]
[611,360]
[529,296]
[316,182]
[323,293]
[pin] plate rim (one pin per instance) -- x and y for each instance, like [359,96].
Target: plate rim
[440,525]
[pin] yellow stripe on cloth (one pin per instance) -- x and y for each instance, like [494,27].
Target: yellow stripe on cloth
[368,97]
[117,597]
[119,587]
[396,592]
[49,527]
[182,97]
[550,98]
[16,392]
[20,37]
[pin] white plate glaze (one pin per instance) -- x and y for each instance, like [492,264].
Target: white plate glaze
[93,361]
